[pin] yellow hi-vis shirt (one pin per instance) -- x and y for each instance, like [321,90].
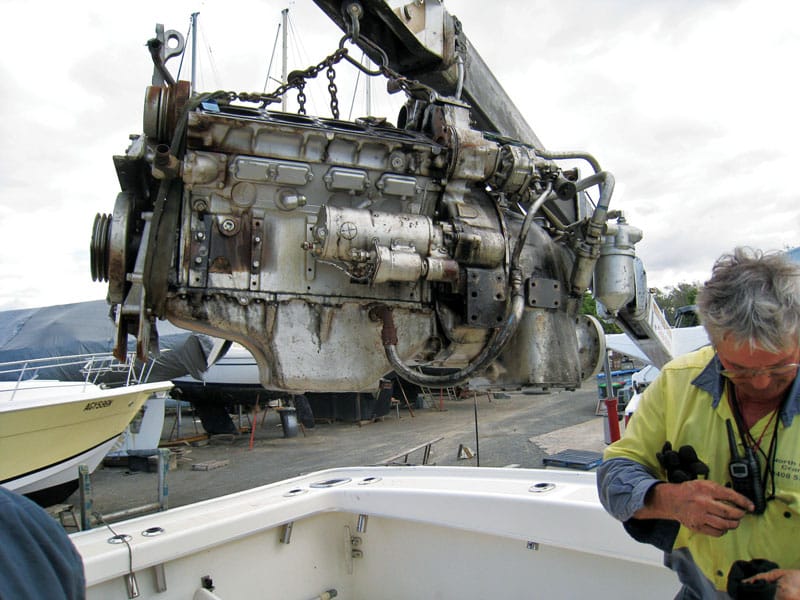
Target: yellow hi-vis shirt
[675,409]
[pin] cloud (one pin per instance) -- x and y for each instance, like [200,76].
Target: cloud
[692,104]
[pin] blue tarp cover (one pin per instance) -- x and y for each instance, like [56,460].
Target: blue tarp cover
[87,328]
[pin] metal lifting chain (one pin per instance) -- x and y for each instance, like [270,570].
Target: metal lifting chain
[301,97]
[332,90]
[411,87]
[352,12]
[298,79]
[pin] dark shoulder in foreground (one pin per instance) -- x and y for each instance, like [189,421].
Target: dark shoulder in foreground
[46,564]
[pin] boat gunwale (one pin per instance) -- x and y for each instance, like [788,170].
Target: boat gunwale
[415,494]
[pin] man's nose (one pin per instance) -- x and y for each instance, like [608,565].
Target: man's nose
[760,382]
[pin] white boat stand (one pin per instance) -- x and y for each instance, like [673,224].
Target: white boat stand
[85,489]
[426,455]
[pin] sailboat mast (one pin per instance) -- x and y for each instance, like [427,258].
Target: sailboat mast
[284,61]
[368,89]
[194,54]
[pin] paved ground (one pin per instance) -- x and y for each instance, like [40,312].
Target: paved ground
[513,428]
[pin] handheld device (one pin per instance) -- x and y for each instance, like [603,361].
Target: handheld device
[745,472]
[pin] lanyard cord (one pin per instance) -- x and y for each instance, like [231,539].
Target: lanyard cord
[748,440]
[757,443]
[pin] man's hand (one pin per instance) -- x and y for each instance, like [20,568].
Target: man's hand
[700,505]
[788,582]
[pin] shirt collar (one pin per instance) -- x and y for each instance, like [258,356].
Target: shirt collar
[712,382]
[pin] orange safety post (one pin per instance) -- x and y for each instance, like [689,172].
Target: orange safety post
[613,419]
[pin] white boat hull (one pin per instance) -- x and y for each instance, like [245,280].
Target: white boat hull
[431,532]
[61,473]
[49,428]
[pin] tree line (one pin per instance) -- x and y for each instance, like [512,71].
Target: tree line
[670,300]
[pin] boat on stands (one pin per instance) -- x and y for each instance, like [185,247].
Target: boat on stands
[381,532]
[48,428]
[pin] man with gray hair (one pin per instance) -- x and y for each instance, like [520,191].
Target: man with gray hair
[709,467]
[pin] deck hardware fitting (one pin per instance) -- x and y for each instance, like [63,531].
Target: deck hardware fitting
[349,551]
[131,585]
[538,488]
[153,531]
[286,533]
[120,538]
[532,546]
[369,480]
[160,573]
[331,482]
[361,526]
[295,492]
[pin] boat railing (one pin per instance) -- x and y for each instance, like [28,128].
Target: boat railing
[92,367]
[99,364]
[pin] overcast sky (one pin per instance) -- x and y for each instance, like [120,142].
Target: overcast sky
[692,104]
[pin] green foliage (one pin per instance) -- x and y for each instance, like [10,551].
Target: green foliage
[589,307]
[673,297]
[670,299]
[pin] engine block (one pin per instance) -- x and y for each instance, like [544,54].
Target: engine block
[338,251]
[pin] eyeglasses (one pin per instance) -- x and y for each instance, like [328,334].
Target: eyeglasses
[776,371]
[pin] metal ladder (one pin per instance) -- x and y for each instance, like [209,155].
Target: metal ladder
[435,400]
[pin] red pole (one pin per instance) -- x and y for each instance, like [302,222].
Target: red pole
[613,418]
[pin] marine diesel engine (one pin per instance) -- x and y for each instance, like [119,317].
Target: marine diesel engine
[339,251]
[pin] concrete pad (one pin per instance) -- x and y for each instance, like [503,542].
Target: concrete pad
[584,436]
